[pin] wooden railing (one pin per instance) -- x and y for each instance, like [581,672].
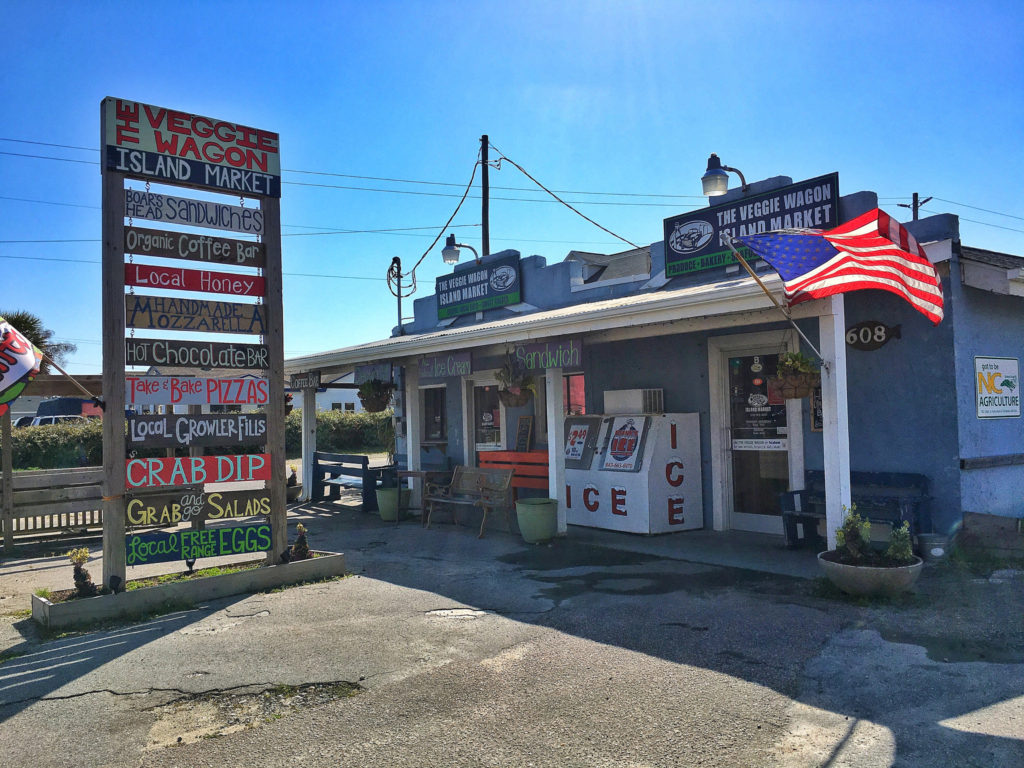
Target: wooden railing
[53,500]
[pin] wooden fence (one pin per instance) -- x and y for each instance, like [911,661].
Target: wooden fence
[52,501]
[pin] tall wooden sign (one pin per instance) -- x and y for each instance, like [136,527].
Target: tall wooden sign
[153,144]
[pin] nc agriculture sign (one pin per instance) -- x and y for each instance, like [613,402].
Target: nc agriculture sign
[998,387]
[168,145]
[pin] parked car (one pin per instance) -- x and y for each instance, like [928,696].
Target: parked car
[22,421]
[39,421]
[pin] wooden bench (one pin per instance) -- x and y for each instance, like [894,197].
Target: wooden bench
[529,468]
[880,497]
[478,487]
[331,469]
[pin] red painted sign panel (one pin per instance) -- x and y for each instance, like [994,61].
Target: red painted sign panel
[192,390]
[176,279]
[186,470]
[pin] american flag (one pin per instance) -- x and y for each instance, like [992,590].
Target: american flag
[872,251]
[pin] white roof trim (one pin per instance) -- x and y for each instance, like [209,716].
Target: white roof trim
[719,298]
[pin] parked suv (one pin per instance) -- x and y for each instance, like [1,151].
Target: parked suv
[39,421]
[23,421]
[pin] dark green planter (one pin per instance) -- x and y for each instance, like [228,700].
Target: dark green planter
[387,502]
[538,519]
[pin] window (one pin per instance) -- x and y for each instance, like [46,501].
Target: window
[350,406]
[573,394]
[435,414]
[335,406]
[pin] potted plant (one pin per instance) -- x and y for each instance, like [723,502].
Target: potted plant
[375,394]
[857,568]
[516,386]
[797,376]
[292,484]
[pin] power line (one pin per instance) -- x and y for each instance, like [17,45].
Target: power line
[527,175]
[397,180]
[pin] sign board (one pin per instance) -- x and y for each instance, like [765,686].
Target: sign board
[524,429]
[195,354]
[193,390]
[693,241]
[870,335]
[757,415]
[188,504]
[185,245]
[309,380]
[199,280]
[556,353]
[180,430]
[165,547]
[487,286]
[186,470]
[445,366]
[165,144]
[624,452]
[194,213]
[378,371]
[997,390]
[174,314]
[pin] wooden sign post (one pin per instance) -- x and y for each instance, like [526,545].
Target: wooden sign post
[140,141]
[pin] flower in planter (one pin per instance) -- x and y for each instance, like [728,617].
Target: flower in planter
[791,363]
[516,385]
[300,549]
[293,475]
[83,581]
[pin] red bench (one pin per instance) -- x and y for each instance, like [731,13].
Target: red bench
[529,468]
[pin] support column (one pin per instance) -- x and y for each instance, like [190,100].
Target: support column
[308,441]
[413,414]
[556,452]
[836,428]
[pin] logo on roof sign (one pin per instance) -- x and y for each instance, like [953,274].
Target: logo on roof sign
[690,236]
[503,278]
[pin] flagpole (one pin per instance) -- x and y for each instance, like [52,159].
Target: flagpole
[728,241]
[73,380]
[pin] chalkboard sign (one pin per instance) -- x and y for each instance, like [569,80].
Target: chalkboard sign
[523,432]
[817,416]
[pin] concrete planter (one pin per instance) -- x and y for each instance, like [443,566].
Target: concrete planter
[139,602]
[538,519]
[863,580]
[293,492]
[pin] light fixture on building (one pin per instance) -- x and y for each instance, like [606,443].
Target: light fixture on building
[450,252]
[716,181]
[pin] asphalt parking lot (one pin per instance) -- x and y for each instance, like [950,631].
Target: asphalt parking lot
[598,649]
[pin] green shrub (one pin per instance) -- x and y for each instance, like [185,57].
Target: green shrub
[80,444]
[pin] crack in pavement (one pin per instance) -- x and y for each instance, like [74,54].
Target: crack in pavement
[210,692]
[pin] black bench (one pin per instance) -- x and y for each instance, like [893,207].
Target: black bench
[880,497]
[331,469]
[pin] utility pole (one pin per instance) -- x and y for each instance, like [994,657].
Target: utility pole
[485,238]
[915,205]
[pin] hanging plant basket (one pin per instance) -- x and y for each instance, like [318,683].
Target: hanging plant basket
[793,386]
[375,395]
[375,403]
[514,399]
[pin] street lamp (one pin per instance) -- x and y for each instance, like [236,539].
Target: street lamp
[716,181]
[450,252]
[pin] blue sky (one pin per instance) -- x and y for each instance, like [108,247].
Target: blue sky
[589,97]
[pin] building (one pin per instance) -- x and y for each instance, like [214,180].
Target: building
[682,327]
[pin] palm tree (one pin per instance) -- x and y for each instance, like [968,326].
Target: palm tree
[31,327]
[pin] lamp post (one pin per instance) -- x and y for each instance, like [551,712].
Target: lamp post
[716,181]
[450,252]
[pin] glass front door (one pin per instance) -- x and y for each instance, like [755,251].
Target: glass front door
[759,444]
[486,418]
